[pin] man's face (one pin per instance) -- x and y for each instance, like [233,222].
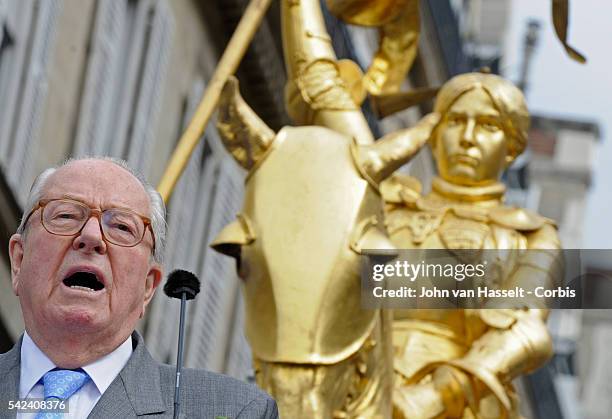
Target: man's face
[41,261]
[471,146]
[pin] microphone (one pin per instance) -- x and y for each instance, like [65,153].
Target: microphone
[185,286]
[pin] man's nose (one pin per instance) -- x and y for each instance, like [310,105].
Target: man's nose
[467,138]
[90,238]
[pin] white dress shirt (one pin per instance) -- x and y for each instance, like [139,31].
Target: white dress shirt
[35,364]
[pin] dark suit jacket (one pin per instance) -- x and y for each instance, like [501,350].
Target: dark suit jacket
[146,387]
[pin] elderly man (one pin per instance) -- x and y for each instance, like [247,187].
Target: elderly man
[85,263]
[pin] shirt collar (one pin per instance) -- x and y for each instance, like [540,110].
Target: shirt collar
[35,364]
[106,369]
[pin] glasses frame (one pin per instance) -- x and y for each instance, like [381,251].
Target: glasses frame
[92,212]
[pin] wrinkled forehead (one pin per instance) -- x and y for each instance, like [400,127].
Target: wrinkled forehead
[98,183]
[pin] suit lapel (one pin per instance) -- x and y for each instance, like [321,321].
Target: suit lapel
[113,403]
[9,377]
[136,390]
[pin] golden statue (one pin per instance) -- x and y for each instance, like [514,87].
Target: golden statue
[311,205]
[460,363]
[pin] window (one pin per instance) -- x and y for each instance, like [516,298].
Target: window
[28,31]
[124,80]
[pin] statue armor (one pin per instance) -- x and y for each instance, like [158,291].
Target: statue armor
[489,347]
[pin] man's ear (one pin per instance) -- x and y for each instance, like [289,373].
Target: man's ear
[16,256]
[152,282]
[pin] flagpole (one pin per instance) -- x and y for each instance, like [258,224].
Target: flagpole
[235,50]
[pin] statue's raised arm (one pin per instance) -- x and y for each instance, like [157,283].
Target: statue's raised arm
[325,91]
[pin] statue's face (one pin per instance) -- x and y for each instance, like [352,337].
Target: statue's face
[471,147]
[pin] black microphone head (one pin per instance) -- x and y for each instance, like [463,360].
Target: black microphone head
[179,282]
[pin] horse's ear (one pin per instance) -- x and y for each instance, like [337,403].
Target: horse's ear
[231,239]
[244,134]
[233,236]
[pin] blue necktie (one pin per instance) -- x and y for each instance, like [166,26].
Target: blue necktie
[60,385]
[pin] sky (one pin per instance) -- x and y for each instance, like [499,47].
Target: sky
[559,86]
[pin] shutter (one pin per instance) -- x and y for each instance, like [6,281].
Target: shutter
[26,98]
[152,76]
[214,309]
[239,359]
[162,331]
[17,16]
[103,81]
[126,69]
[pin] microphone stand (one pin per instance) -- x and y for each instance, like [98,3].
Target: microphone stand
[179,357]
[184,285]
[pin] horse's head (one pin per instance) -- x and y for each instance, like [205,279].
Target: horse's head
[307,214]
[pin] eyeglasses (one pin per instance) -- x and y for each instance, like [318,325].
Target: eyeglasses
[65,217]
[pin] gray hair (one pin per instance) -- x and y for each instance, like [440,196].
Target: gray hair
[156,203]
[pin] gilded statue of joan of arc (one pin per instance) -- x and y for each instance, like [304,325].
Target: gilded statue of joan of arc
[460,363]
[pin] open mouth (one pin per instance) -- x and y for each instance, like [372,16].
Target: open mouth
[86,281]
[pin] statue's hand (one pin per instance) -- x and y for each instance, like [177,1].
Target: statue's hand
[455,388]
[421,133]
[381,159]
[428,123]
[417,401]
[446,394]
